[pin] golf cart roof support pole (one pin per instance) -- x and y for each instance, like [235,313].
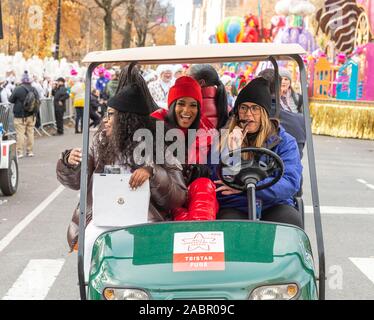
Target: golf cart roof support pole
[277,86]
[83,186]
[313,178]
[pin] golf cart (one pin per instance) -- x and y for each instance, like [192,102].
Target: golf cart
[222,259]
[8,154]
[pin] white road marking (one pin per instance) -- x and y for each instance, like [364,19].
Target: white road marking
[361,181]
[370,186]
[366,266]
[341,210]
[28,219]
[36,280]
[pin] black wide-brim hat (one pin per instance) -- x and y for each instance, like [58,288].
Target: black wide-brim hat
[130,99]
[258,92]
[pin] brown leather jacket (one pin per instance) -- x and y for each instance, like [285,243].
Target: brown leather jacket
[168,190]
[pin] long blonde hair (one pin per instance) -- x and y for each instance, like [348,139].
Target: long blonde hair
[268,127]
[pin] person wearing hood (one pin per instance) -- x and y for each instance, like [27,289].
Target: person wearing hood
[159,89]
[112,85]
[293,123]
[178,71]
[184,113]
[290,100]
[251,126]
[24,121]
[214,106]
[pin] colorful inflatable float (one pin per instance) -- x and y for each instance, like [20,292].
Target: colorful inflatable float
[342,103]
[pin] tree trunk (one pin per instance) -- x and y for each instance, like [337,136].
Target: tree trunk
[108,30]
[143,37]
[126,42]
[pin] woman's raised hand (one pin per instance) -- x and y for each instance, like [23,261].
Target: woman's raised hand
[75,157]
[235,138]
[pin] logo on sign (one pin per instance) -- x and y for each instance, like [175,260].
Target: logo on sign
[198,251]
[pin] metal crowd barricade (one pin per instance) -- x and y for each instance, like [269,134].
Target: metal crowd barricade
[69,112]
[7,118]
[47,114]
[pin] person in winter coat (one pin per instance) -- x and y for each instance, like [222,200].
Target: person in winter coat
[114,145]
[95,108]
[214,106]
[159,89]
[289,99]
[250,126]
[112,85]
[293,123]
[60,95]
[24,121]
[77,93]
[184,113]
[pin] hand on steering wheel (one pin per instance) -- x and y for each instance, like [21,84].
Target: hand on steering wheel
[262,163]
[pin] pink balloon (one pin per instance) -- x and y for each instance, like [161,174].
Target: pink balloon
[107,75]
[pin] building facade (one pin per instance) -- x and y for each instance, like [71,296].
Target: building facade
[196,20]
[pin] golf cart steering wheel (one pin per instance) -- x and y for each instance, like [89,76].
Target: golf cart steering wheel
[264,163]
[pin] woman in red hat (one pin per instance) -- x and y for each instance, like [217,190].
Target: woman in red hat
[184,113]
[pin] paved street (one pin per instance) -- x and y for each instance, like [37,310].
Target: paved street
[33,222]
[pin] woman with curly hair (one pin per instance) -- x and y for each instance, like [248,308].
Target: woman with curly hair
[114,145]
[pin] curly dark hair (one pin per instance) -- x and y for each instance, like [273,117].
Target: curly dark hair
[121,142]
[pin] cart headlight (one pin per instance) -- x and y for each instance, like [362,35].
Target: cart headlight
[276,292]
[125,294]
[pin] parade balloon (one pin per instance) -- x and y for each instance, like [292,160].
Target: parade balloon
[303,41]
[107,75]
[285,35]
[98,71]
[294,35]
[231,29]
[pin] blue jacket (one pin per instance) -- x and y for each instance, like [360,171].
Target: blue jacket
[101,84]
[283,191]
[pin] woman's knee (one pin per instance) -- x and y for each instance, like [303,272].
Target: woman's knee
[231,214]
[283,214]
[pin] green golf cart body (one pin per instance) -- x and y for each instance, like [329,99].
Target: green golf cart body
[202,259]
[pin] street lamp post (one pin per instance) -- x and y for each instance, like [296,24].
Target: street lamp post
[58,27]
[1,23]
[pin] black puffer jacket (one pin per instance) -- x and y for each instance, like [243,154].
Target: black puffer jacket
[60,95]
[18,97]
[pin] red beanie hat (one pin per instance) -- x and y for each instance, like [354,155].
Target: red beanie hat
[185,87]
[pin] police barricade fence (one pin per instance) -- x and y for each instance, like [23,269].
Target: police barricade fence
[47,113]
[46,116]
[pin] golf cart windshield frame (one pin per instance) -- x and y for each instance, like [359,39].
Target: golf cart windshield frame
[215,53]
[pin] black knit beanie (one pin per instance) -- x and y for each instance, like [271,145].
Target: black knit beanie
[130,99]
[258,92]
